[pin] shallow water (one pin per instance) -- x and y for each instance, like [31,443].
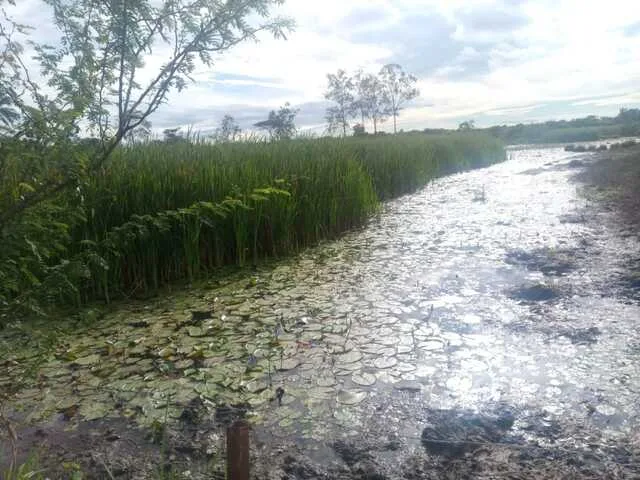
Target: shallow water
[420,308]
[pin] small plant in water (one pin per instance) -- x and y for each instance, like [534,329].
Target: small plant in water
[347,333]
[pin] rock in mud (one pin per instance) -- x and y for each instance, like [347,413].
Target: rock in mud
[576,163]
[452,433]
[572,218]
[193,412]
[298,468]
[408,386]
[581,336]
[349,453]
[200,315]
[549,262]
[534,293]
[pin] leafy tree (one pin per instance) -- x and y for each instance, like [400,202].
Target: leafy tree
[358,106]
[398,88]
[228,130]
[141,133]
[358,130]
[340,91]
[467,125]
[172,135]
[280,124]
[371,102]
[628,115]
[94,84]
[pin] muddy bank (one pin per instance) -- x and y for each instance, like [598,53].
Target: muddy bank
[475,329]
[612,180]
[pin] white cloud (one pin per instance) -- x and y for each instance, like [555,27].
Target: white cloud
[506,57]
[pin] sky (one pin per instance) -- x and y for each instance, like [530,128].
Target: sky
[496,62]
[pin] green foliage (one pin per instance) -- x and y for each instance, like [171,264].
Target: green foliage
[398,88]
[94,82]
[228,131]
[587,129]
[371,100]
[358,130]
[29,470]
[368,96]
[340,91]
[161,213]
[467,125]
[158,213]
[281,124]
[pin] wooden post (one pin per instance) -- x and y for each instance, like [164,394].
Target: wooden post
[238,451]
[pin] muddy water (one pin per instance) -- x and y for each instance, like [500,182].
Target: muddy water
[497,287]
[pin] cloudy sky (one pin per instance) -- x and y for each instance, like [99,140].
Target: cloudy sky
[496,62]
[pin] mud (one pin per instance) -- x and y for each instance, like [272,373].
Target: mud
[497,327]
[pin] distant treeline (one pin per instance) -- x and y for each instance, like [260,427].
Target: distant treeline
[591,128]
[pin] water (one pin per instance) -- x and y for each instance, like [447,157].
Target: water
[420,310]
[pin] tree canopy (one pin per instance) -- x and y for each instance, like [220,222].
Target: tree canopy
[281,124]
[368,97]
[94,80]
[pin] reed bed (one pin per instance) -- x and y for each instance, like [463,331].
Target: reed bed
[164,212]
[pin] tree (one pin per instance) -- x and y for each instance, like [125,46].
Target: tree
[141,133]
[358,130]
[172,135]
[467,125]
[280,124]
[8,114]
[94,84]
[340,91]
[358,106]
[228,130]
[96,68]
[398,88]
[628,115]
[371,101]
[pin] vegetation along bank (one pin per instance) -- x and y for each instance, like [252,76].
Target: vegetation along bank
[161,212]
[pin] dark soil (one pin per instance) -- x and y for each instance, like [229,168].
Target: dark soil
[115,448]
[614,180]
[550,262]
[463,444]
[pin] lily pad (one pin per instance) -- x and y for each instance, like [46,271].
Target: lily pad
[384,362]
[605,409]
[287,364]
[326,381]
[363,379]
[432,344]
[88,360]
[256,386]
[350,357]
[94,410]
[196,331]
[285,422]
[405,367]
[183,364]
[321,393]
[347,397]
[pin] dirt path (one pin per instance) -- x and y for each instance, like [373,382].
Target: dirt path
[484,327]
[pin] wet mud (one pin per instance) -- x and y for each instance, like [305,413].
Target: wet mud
[474,329]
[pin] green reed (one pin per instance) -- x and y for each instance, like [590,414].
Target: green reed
[165,212]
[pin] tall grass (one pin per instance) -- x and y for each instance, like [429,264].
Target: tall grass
[175,211]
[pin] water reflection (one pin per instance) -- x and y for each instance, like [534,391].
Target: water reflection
[418,308]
